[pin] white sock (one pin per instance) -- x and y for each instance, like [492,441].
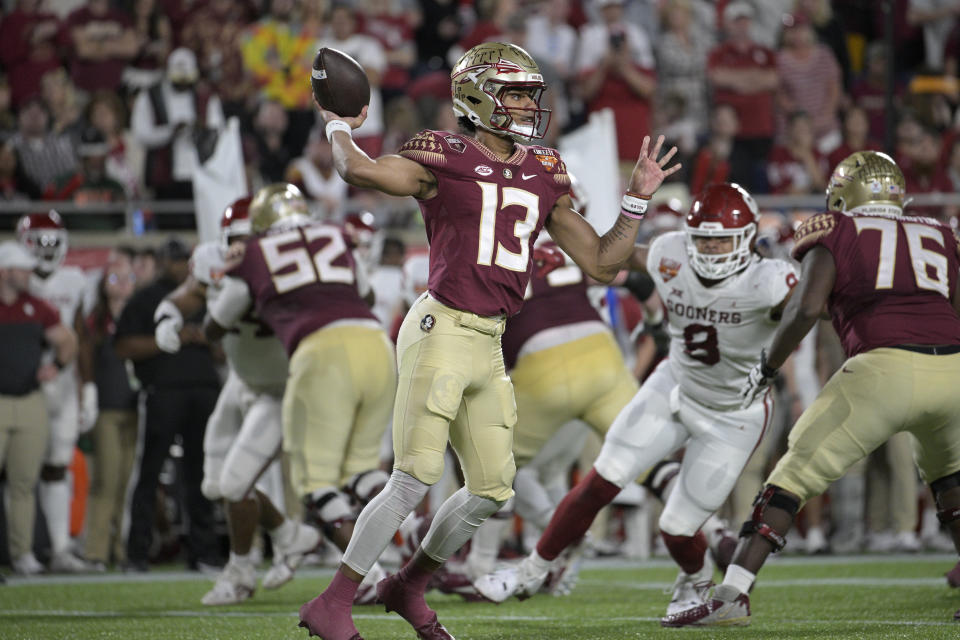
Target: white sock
[284,533]
[486,545]
[381,518]
[55,500]
[739,578]
[243,560]
[455,522]
[538,563]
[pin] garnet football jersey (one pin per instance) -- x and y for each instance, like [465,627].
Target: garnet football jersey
[301,279]
[251,347]
[896,277]
[486,215]
[716,332]
[556,300]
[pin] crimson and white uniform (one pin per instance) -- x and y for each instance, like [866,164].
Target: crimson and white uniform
[244,431]
[691,400]
[63,290]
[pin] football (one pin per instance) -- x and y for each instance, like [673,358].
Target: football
[339,83]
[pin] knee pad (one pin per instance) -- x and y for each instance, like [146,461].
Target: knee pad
[946,513]
[53,473]
[777,498]
[660,475]
[329,509]
[364,486]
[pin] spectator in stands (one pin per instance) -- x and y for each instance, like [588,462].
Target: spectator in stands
[90,184]
[41,154]
[767,20]
[796,166]
[278,53]
[391,25]
[154,43]
[550,39]
[214,33]
[830,31]
[63,103]
[107,113]
[682,61]
[28,327]
[869,91]
[490,25]
[937,17]
[617,70]
[144,266]
[439,29]
[272,155]
[743,74]
[180,391]
[953,165]
[165,119]
[101,41]
[115,433]
[924,173]
[712,162]
[856,130]
[343,34]
[314,175]
[8,121]
[810,81]
[10,175]
[28,47]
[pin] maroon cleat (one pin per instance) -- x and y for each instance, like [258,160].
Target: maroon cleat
[956,616]
[320,619]
[953,576]
[715,613]
[412,608]
[453,582]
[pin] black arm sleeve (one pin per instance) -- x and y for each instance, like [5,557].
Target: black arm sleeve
[640,284]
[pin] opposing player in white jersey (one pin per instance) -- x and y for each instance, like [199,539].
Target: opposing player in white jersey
[723,301]
[63,287]
[242,442]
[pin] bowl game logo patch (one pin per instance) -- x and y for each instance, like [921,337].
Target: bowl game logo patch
[549,162]
[668,269]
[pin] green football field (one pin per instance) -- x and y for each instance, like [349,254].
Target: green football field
[832,597]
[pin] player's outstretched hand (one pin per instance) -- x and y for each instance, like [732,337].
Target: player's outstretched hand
[546,259]
[330,115]
[651,170]
[759,378]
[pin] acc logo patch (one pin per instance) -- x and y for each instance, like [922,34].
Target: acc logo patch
[483,169]
[455,143]
[668,269]
[427,323]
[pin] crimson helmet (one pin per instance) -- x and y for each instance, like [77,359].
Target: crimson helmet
[360,229]
[46,237]
[721,210]
[666,216]
[235,220]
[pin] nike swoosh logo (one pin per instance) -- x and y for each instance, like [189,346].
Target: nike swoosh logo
[526,177]
[845,370]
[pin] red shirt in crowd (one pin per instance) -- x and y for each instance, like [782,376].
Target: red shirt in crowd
[754,110]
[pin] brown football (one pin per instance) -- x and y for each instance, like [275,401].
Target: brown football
[339,83]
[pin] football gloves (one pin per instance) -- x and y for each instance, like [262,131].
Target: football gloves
[759,378]
[169,323]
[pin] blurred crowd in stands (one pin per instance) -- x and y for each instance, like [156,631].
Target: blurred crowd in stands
[113,101]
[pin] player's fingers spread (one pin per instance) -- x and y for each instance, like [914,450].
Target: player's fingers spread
[643,149]
[656,147]
[672,170]
[666,157]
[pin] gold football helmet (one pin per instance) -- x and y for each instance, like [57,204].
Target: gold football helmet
[478,82]
[276,202]
[867,179]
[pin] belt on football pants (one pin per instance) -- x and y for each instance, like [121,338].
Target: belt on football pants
[490,325]
[930,350]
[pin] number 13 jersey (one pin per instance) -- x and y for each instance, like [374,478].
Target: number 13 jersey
[483,221]
[716,333]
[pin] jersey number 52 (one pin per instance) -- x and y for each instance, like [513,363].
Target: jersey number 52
[305,270]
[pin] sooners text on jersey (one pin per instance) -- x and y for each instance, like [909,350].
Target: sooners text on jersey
[896,277]
[486,215]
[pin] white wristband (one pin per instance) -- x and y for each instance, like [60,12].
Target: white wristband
[337,125]
[633,204]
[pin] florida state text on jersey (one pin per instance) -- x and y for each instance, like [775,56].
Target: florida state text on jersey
[486,215]
[301,279]
[896,276]
[716,331]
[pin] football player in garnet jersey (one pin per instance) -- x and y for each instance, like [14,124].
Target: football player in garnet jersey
[71,407]
[242,440]
[889,283]
[722,299]
[485,194]
[301,279]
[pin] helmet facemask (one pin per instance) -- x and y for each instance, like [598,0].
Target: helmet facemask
[717,266]
[49,247]
[508,119]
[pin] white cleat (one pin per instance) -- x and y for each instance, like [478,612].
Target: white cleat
[27,565]
[691,589]
[522,581]
[66,562]
[287,557]
[562,579]
[235,584]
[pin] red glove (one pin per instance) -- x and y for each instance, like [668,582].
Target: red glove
[546,258]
